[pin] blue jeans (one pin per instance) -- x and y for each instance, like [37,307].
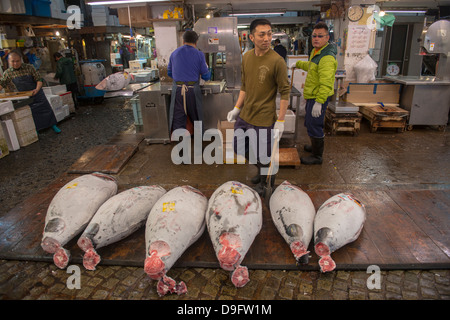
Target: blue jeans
[314,126]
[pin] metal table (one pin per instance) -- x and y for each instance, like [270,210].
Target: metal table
[426,99]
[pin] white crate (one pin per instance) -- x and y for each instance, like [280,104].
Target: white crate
[55,101]
[24,126]
[61,112]
[6,107]
[289,121]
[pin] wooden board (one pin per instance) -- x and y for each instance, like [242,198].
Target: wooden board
[15,95]
[403,230]
[104,158]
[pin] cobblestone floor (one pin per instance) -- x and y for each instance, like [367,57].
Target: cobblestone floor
[30,280]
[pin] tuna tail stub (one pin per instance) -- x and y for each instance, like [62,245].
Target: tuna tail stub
[327,264]
[299,250]
[168,285]
[240,277]
[91,259]
[61,258]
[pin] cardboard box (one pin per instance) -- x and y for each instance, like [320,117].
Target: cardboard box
[223,126]
[9,43]
[227,143]
[137,15]
[385,92]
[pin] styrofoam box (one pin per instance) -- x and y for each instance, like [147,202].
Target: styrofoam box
[6,107]
[54,100]
[61,112]
[289,121]
[24,126]
[10,135]
[58,89]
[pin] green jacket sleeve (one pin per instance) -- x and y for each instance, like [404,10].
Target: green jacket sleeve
[326,71]
[302,65]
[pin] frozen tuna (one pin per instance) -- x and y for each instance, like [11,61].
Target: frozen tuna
[71,209]
[114,82]
[234,219]
[293,214]
[116,219]
[175,222]
[338,221]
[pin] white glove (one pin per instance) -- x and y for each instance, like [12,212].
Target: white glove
[316,110]
[294,65]
[278,129]
[232,115]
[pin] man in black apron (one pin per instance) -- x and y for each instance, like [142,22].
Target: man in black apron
[26,78]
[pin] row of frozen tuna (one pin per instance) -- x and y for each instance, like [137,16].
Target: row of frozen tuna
[174,220]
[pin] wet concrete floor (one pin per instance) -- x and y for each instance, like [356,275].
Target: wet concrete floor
[412,160]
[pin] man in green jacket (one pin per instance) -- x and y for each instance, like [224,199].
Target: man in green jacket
[319,87]
[66,75]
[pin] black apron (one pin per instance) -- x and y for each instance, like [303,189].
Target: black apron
[41,110]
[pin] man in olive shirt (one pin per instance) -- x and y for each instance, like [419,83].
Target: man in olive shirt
[264,74]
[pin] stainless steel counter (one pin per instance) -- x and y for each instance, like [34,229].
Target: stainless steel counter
[426,99]
[414,80]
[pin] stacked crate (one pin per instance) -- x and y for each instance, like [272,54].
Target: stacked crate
[24,126]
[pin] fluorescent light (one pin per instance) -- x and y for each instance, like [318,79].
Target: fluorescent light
[405,11]
[104,3]
[243,27]
[256,14]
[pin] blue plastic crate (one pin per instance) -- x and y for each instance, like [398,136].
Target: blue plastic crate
[28,7]
[41,8]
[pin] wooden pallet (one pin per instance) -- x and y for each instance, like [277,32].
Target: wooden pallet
[289,157]
[389,116]
[343,122]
